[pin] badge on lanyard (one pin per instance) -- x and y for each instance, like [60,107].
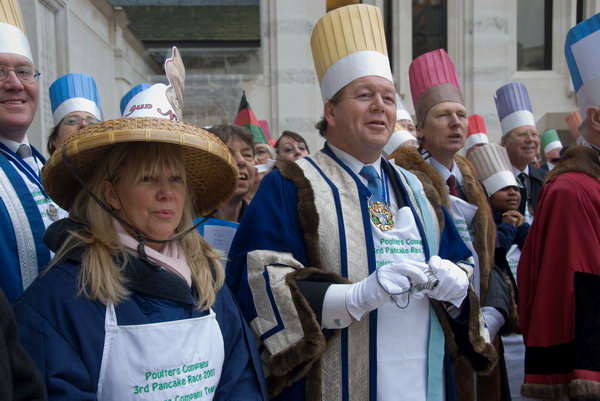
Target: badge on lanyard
[52,212]
[380,211]
[381,215]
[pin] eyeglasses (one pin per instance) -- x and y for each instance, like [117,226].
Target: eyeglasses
[25,74]
[76,120]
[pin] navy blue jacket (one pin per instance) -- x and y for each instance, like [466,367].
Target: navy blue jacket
[63,330]
[507,234]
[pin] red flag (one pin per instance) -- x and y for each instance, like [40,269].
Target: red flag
[245,117]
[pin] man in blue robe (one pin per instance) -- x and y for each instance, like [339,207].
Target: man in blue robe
[25,208]
[354,285]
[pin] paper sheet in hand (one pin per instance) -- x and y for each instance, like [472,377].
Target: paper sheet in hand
[219,234]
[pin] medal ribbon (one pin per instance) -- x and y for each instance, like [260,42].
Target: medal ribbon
[382,206]
[24,167]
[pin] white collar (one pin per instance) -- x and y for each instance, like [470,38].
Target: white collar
[445,173]
[12,145]
[353,163]
[516,171]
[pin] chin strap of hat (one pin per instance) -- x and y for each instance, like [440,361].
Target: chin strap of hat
[140,237]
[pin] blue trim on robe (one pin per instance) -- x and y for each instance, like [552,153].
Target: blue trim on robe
[364,194]
[452,246]
[276,203]
[436,341]
[340,219]
[280,325]
[10,279]
[344,272]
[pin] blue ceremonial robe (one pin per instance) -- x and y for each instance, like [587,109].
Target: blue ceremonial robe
[21,247]
[278,231]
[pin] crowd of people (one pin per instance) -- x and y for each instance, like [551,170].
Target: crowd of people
[150,259]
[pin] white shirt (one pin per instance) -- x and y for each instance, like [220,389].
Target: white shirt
[35,164]
[445,173]
[45,204]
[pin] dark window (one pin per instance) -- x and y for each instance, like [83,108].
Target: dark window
[534,35]
[430,28]
[581,10]
[388,25]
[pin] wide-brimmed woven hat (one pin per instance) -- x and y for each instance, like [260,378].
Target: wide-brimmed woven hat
[211,172]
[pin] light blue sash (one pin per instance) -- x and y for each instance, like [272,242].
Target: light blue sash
[436,351]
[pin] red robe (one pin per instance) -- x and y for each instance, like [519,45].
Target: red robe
[559,283]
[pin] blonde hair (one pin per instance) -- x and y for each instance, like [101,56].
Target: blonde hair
[101,277]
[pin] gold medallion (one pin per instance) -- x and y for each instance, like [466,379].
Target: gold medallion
[381,216]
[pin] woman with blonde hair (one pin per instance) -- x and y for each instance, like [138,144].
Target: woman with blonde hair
[133,304]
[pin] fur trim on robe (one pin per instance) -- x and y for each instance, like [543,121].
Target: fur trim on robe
[304,361]
[484,244]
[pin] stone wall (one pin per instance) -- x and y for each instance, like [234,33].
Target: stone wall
[86,36]
[279,79]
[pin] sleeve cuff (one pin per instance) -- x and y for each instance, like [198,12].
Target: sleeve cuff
[335,313]
[493,320]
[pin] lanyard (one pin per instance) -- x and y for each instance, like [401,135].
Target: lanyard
[386,189]
[23,167]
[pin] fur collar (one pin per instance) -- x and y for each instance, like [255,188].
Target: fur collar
[578,159]
[411,160]
[485,228]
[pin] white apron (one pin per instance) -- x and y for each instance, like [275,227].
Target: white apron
[161,361]
[463,213]
[402,334]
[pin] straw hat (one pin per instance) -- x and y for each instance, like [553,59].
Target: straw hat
[210,169]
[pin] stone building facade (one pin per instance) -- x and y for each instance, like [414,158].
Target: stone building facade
[86,36]
[492,42]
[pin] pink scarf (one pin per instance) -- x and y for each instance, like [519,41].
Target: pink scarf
[170,258]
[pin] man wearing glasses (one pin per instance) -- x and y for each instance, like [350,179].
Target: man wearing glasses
[522,142]
[25,208]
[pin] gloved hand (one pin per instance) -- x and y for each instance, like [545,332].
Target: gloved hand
[377,289]
[453,282]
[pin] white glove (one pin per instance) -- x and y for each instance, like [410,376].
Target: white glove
[493,320]
[453,281]
[377,289]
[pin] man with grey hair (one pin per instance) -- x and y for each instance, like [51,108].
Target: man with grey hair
[521,139]
[25,208]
